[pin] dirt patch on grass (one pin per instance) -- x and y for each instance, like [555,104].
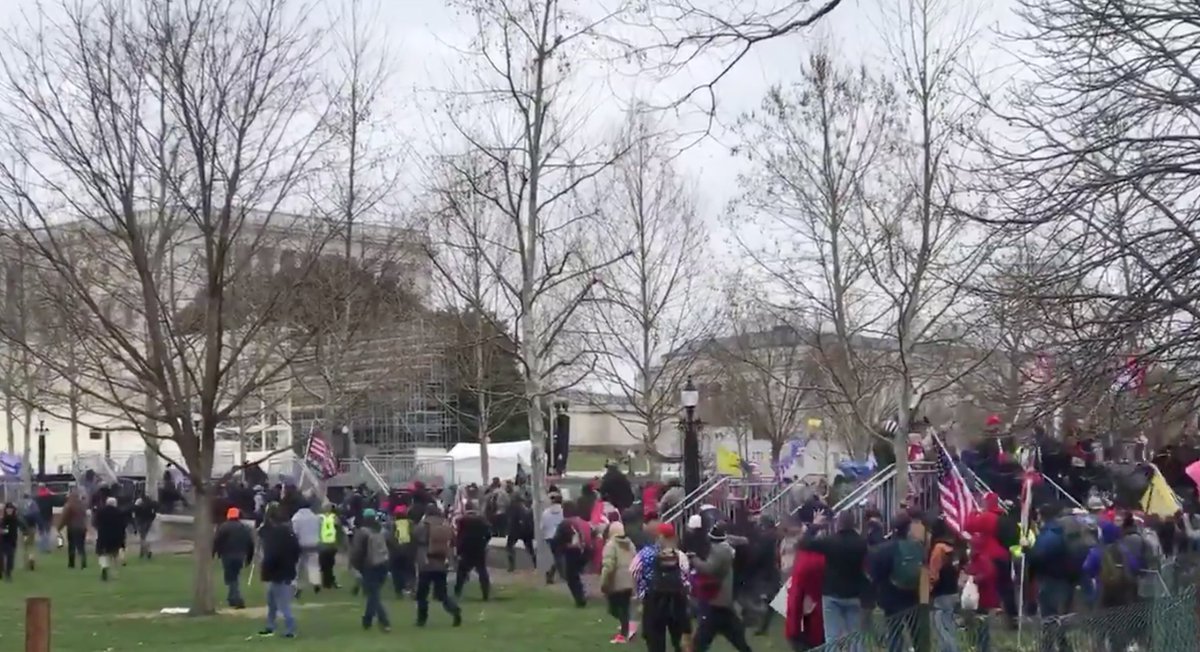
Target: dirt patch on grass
[251,612]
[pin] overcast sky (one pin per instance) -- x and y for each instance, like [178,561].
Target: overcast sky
[421,36]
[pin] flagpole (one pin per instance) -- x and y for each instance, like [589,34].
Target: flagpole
[1026,504]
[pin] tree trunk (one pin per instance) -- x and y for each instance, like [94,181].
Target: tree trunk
[203,597]
[153,468]
[482,404]
[73,408]
[27,431]
[900,442]
[10,424]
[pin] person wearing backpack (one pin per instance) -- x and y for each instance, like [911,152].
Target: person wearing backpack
[844,583]
[434,539]
[895,570]
[943,585]
[570,539]
[715,609]
[370,555]
[1050,564]
[661,581]
[1113,569]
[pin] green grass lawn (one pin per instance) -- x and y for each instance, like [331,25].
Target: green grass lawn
[591,461]
[122,615]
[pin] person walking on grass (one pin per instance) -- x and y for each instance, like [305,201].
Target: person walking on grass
[474,534]
[370,553]
[280,558]
[11,528]
[74,519]
[110,523]
[434,539]
[616,579]
[233,544]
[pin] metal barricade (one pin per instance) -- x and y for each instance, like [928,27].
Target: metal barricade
[879,492]
[399,469]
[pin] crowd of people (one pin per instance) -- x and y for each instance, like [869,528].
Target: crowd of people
[714,576]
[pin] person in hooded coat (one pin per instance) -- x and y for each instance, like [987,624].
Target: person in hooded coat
[992,546]
[805,626]
[616,578]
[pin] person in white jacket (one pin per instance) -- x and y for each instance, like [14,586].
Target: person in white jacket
[307,526]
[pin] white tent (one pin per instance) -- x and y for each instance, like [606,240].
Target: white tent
[502,461]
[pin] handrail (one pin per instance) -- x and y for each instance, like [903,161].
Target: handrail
[782,490]
[693,499]
[1061,491]
[96,462]
[374,475]
[860,493]
[671,513]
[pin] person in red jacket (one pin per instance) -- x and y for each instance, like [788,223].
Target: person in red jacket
[982,571]
[985,542]
[804,626]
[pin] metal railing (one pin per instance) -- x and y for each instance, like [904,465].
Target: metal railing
[98,464]
[708,492]
[1166,624]
[879,492]
[397,469]
[369,469]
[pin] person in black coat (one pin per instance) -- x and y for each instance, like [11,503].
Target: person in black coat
[280,559]
[615,488]
[474,534]
[11,528]
[110,523]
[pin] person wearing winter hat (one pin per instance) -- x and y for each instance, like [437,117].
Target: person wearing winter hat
[715,595]
[695,537]
[370,554]
[661,579]
[234,546]
[616,578]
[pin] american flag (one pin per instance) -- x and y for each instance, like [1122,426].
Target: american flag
[954,495]
[319,456]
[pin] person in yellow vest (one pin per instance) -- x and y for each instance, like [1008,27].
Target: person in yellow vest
[331,539]
[404,558]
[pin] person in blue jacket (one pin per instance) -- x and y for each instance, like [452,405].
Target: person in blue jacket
[896,603]
[1050,564]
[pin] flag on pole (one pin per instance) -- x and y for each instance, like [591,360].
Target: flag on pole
[319,456]
[954,496]
[1159,498]
[1131,376]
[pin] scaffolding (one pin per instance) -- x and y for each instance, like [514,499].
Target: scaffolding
[396,394]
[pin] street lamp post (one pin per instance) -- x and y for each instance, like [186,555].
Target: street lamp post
[688,398]
[41,433]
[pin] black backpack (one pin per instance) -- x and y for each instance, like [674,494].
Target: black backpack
[668,576]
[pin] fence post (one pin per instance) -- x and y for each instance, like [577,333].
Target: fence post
[37,625]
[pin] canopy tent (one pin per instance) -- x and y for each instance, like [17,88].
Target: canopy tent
[503,459]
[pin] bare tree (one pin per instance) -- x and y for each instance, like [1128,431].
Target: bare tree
[650,303]
[681,33]
[769,377]
[519,122]
[361,172]
[162,142]
[1098,170]
[922,255]
[472,241]
[818,151]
